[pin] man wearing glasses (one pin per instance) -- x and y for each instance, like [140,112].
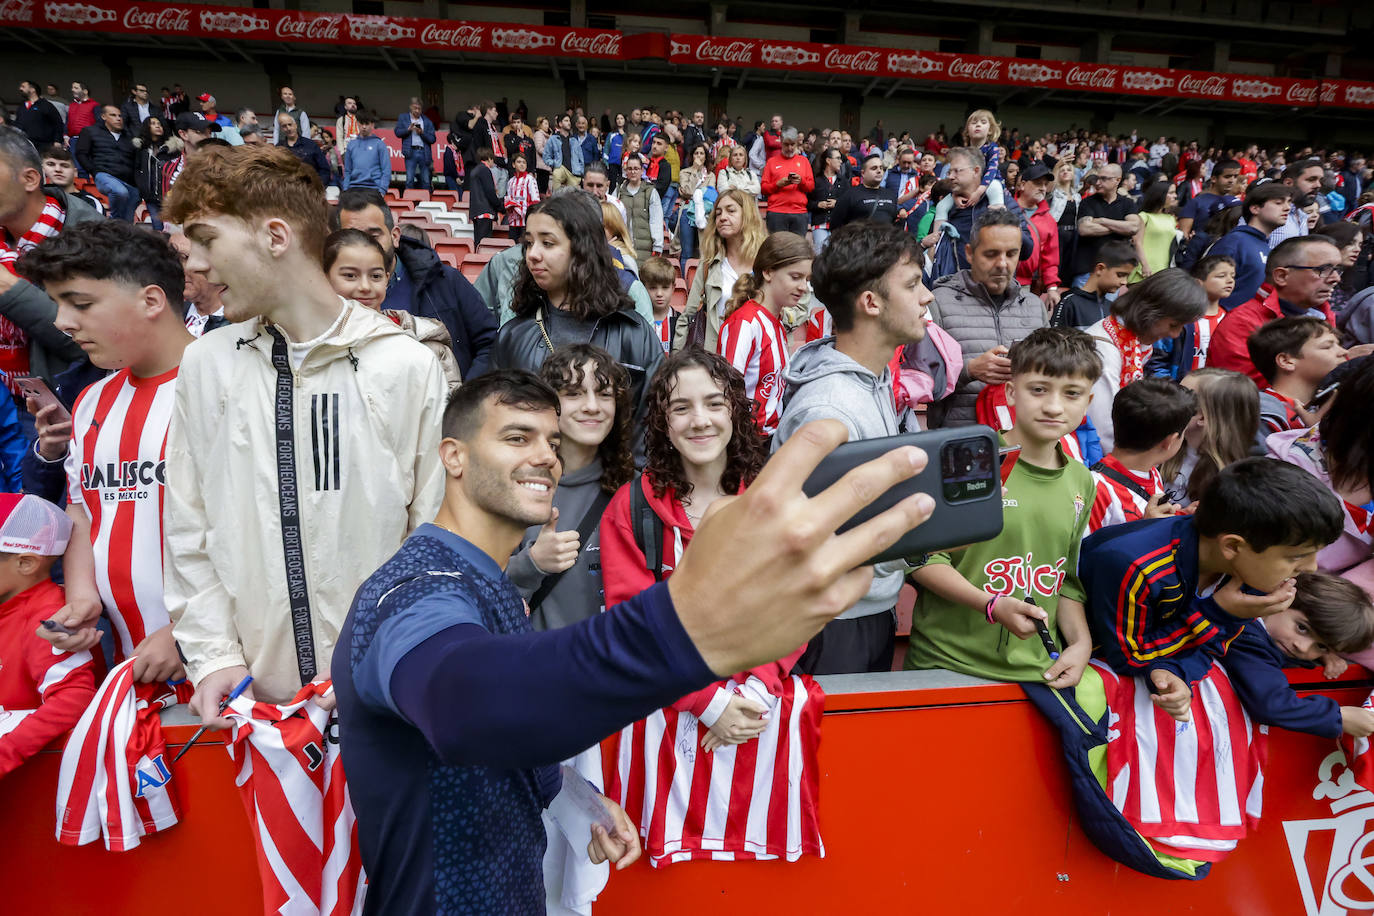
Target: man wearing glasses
[136,108]
[1302,272]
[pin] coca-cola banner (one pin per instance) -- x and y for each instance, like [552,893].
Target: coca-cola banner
[305,27]
[164,19]
[1009,71]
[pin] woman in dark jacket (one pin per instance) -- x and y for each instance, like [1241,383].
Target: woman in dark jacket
[150,146]
[568,291]
[831,182]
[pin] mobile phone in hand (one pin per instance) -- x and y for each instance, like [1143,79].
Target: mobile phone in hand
[962,474]
[36,389]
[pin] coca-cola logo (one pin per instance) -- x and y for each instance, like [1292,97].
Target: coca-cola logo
[314,28]
[231,21]
[467,37]
[1359,95]
[165,19]
[378,28]
[980,69]
[1145,81]
[1299,93]
[1254,89]
[1031,73]
[16,10]
[1328,93]
[854,61]
[916,64]
[726,52]
[1212,86]
[602,44]
[1091,77]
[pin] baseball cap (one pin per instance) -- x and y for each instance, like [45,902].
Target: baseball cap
[31,524]
[1138,149]
[189,120]
[1036,172]
[204,97]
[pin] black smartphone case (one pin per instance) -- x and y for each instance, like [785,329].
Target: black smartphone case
[952,524]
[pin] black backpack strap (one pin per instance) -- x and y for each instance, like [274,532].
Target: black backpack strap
[648,527]
[590,520]
[1123,479]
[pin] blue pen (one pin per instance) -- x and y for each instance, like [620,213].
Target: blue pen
[223,705]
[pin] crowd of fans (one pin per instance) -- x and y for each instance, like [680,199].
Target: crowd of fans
[1139,317]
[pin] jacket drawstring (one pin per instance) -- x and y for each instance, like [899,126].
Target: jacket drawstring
[247,341]
[352,359]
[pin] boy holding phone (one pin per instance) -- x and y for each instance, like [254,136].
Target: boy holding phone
[869,277]
[1165,595]
[1028,573]
[118,292]
[1293,355]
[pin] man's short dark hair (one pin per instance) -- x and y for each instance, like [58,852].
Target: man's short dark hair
[857,258]
[355,200]
[1297,168]
[512,387]
[485,154]
[1223,165]
[1289,251]
[1261,194]
[990,219]
[598,167]
[1150,410]
[57,151]
[1116,253]
[108,249]
[1282,335]
[366,117]
[1269,502]
[1058,353]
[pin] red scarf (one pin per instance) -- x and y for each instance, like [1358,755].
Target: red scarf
[1132,355]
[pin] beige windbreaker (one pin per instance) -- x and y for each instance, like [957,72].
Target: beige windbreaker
[353,438]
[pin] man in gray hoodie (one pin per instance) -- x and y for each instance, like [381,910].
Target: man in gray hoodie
[869,277]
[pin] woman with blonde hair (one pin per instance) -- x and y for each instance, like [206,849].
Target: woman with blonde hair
[737,174]
[729,243]
[1221,433]
[618,234]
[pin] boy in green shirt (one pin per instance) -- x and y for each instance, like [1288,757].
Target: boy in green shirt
[978,606]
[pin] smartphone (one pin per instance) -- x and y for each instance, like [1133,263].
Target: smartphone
[36,388]
[1321,397]
[963,474]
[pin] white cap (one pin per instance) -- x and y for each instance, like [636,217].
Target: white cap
[31,524]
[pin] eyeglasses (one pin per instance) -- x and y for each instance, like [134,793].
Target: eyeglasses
[1324,271]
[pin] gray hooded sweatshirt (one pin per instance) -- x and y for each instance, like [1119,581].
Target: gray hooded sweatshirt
[824,384]
[578,594]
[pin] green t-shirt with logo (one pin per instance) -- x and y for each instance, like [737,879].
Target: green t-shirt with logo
[1045,514]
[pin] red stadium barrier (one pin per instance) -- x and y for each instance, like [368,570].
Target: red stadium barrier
[946,799]
[609,44]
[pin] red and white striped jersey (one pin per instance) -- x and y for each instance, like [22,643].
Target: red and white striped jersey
[1203,329]
[820,325]
[1192,789]
[1115,502]
[114,780]
[291,777]
[757,800]
[115,471]
[755,343]
[43,691]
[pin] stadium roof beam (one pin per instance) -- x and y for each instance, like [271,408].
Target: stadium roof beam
[892,89]
[386,56]
[415,59]
[238,49]
[208,47]
[581,72]
[872,84]
[553,65]
[716,74]
[743,75]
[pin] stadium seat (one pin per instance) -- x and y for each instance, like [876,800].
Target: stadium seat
[474,263]
[447,197]
[431,206]
[458,249]
[437,235]
[495,244]
[678,301]
[451,259]
[415,194]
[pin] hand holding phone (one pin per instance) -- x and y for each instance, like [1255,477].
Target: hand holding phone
[38,395]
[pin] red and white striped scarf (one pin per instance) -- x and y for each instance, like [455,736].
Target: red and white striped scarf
[48,226]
